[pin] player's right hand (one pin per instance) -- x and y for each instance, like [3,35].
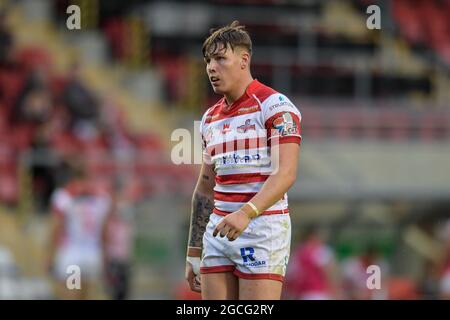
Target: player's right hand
[192,274]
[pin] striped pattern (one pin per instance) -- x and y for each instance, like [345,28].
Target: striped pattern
[237,140]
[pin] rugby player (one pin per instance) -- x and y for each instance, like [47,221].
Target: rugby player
[80,211]
[240,231]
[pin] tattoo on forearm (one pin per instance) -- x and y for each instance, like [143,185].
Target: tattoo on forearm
[202,207]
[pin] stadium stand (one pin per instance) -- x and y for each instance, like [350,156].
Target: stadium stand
[375,108]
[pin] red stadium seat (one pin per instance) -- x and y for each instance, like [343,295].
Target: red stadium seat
[65,144]
[9,190]
[11,82]
[402,289]
[3,119]
[22,136]
[7,157]
[32,57]
[148,142]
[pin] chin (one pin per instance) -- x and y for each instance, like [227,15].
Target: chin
[218,90]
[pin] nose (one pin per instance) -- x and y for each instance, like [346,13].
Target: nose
[211,67]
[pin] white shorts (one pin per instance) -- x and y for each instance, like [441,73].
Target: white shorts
[260,252]
[89,262]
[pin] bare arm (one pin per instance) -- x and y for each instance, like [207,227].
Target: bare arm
[202,206]
[279,183]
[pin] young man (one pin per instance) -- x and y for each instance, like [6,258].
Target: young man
[240,226]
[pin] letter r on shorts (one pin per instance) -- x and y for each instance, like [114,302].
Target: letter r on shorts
[247,253]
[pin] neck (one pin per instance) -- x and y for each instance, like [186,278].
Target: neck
[231,97]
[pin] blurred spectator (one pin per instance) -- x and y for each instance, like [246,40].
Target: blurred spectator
[34,105]
[80,211]
[312,274]
[6,40]
[32,119]
[113,126]
[119,244]
[81,103]
[44,167]
[355,275]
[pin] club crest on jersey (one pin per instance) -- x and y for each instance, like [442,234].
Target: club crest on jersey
[246,126]
[226,128]
[285,124]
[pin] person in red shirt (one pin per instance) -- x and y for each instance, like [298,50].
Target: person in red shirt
[312,274]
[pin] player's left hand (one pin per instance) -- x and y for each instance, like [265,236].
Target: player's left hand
[232,225]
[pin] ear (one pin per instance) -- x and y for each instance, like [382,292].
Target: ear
[245,59]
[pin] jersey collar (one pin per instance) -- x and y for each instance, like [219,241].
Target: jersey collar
[249,91]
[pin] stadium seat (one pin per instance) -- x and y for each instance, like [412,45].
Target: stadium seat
[9,190]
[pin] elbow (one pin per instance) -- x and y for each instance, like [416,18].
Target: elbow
[289,177]
[291,180]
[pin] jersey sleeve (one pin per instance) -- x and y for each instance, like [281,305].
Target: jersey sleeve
[60,202]
[282,119]
[204,137]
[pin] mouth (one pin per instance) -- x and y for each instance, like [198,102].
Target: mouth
[214,80]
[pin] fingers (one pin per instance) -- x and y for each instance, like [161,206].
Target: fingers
[218,228]
[225,231]
[195,284]
[233,235]
[197,281]
[222,229]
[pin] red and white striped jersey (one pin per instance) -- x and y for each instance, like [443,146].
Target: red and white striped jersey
[237,140]
[83,208]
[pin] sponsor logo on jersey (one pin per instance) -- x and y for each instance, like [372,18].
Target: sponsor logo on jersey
[235,158]
[248,109]
[246,126]
[285,124]
[226,128]
[277,105]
